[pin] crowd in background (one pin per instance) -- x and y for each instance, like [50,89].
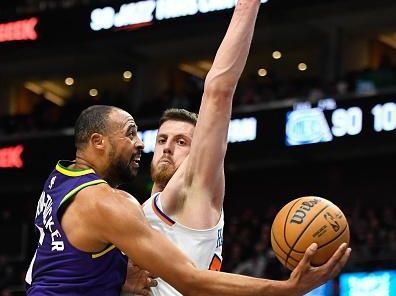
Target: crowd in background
[246,249]
[251,91]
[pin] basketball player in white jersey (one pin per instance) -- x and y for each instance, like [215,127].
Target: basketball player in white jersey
[188,162]
[198,231]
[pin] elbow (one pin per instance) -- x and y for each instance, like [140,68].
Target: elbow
[219,88]
[220,96]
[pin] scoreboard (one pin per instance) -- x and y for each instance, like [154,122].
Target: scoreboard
[329,121]
[296,133]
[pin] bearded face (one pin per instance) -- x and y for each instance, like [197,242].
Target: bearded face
[173,143]
[121,169]
[162,171]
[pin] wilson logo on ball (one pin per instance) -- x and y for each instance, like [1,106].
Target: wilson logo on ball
[301,213]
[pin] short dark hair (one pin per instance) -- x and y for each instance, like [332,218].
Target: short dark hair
[178,115]
[93,119]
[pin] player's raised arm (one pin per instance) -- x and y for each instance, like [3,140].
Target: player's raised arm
[205,164]
[120,220]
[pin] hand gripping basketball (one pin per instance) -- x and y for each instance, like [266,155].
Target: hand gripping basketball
[305,221]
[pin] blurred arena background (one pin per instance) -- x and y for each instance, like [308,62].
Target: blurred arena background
[314,114]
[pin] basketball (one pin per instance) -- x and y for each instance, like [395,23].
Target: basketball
[304,221]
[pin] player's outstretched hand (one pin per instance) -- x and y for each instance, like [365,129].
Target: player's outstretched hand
[138,281]
[306,277]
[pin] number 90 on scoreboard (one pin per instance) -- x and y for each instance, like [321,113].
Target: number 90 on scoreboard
[308,124]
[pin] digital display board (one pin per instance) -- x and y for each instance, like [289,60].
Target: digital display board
[324,290]
[92,22]
[11,157]
[19,30]
[240,130]
[327,121]
[146,11]
[377,283]
[293,134]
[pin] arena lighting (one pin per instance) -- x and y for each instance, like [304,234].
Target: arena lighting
[19,30]
[262,72]
[127,75]
[276,54]
[302,66]
[144,12]
[93,92]
[69,81]
[11,157]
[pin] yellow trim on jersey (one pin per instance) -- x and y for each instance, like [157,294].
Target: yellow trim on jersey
[73,173]
[105,251]
[77,189]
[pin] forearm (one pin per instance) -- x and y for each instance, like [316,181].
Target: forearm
[153,252]
[233,51]
[218,283]
[214,114]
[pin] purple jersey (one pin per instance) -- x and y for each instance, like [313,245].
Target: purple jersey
[57,267]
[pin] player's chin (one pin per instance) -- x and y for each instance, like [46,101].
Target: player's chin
[163,165]
[134,171]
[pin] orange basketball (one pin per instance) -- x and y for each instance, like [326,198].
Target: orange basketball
[304,221]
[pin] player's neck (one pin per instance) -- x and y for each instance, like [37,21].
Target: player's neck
[157,188]
[83,163]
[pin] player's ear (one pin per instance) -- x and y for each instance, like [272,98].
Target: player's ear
[97,141]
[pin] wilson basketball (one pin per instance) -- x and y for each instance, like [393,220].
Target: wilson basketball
[304,221]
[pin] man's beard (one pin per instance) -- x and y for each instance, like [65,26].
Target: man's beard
[119,171]
[162,174]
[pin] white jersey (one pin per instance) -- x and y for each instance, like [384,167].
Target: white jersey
[203,247]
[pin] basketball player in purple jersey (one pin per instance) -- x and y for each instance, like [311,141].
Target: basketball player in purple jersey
[59,266]
[85,222]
